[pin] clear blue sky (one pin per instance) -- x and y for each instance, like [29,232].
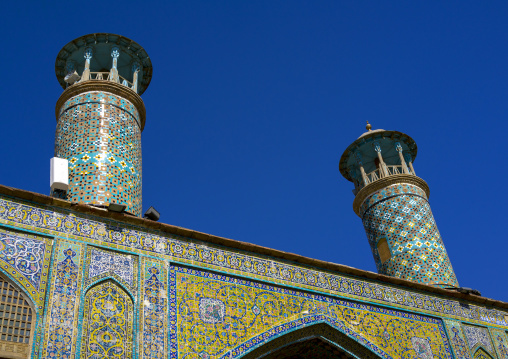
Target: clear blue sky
[253,102]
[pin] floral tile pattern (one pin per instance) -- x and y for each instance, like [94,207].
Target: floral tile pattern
[108,326]
[222,317]
[26,258]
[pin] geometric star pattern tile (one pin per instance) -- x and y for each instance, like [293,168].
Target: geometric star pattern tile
[99,134]
[401,214]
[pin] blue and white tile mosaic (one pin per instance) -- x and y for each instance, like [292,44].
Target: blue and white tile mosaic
[103,262]
[478,336]
[24,254]
[26,257]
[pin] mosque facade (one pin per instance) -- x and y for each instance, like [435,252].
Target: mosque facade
[84,275]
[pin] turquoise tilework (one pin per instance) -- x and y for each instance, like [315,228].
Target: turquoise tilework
[401,214]
[100,135]
[160,326]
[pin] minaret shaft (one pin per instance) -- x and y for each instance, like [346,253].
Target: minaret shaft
[393,205]
[404,237]
[99,133]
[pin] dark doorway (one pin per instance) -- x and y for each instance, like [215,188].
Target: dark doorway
[313,341]
[307,349]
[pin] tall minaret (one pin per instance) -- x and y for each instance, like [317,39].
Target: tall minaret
[393,205]
[100,116]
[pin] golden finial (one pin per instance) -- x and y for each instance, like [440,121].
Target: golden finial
[369,126]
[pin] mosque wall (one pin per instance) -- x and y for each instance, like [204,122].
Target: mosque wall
[112,289]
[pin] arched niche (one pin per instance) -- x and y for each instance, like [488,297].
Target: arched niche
[319,340]
[108,322]
[17,321]
[114,279]
[481,353]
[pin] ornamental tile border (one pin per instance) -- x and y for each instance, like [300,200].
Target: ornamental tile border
[154,309]
[456,339]
[134,239]
[61,331]
[500,342]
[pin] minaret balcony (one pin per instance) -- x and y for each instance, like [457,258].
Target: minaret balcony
[379,173]
[104,57]
[391,170]
[377,157]
[106,76]
[73,79]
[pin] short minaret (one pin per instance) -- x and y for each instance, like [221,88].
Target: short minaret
[393,205]
[100,116]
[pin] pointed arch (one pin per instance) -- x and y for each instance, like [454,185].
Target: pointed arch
[18,318]
[481,353]
[108,322]
[321,335]
[111,279]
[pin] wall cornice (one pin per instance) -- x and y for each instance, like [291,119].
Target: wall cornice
[48,201]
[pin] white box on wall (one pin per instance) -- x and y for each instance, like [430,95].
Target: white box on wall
[59,176]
